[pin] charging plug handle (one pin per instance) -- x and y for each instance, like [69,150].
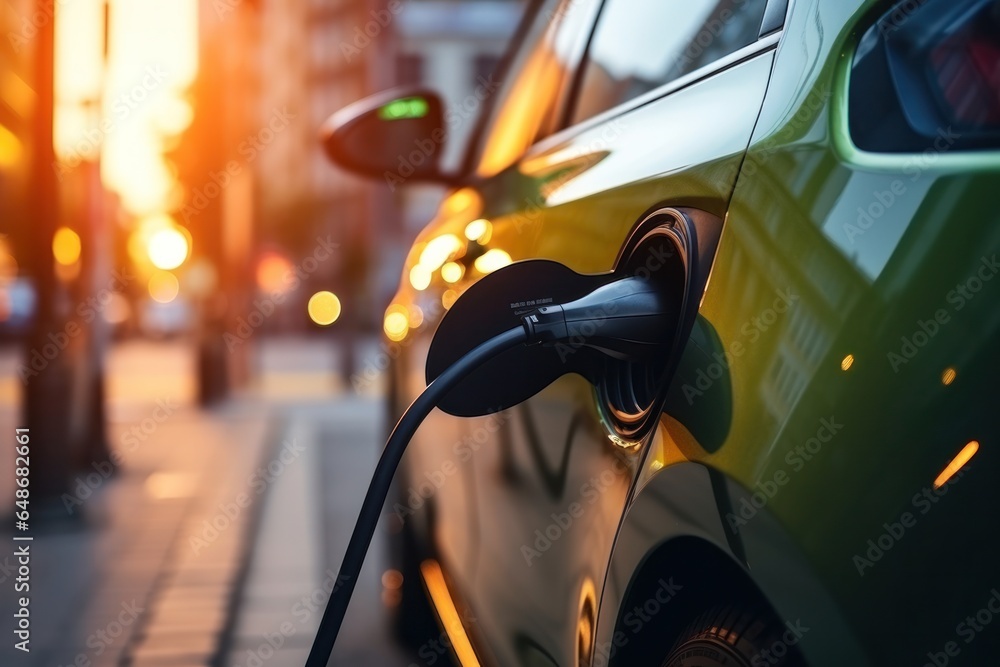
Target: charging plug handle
[629,319]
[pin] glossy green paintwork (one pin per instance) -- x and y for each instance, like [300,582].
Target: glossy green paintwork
[575,200]
[830,261]
[874,250]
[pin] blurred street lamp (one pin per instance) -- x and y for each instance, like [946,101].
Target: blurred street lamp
[324,308]
[168,248]
[67,250]
[66,246]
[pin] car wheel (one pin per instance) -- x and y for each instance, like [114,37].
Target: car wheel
[731,637]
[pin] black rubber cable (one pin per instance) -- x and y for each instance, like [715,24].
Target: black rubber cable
[371,509]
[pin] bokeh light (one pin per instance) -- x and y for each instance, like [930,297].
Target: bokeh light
[324,308]
[168,248]
[439,250]
[139,238]
[396,323]
[420,277]
[163,287]
[957,463]
[492,260]
[452,272]
[66,246]
[479,230]
[462,201]
[273,271]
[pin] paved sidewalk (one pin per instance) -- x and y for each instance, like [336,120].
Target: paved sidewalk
[191,608]
[115,579]
[282,600]
[218,540]
[307,522]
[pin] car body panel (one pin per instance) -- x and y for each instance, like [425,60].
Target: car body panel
[809,302]
[681,501]
[552,454]
[873,250]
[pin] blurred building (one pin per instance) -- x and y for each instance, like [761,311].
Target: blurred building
[316,58]
[305,204]
[452,47]
[305,74]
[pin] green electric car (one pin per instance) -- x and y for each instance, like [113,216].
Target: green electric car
[807,478]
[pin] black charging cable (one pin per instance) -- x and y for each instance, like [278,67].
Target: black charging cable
[627,319]
[371,509]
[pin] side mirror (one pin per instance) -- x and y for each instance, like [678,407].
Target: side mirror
[397,135]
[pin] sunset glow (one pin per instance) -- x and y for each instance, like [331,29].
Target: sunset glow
[126,112]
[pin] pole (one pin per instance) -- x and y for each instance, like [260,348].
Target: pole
[46,375]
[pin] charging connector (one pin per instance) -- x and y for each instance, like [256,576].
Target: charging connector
[626,319]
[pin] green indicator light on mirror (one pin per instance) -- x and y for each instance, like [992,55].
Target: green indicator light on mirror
[406,107]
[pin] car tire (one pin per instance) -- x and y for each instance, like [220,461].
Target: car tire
[731,637]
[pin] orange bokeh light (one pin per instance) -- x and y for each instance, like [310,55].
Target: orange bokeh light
[956,464]
[273,271]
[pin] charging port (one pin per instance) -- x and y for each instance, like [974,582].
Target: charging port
[630,393]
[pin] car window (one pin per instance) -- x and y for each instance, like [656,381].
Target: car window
[640,45]
[527,102]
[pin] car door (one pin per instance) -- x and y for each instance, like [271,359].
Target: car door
[654,120]
[883,225]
